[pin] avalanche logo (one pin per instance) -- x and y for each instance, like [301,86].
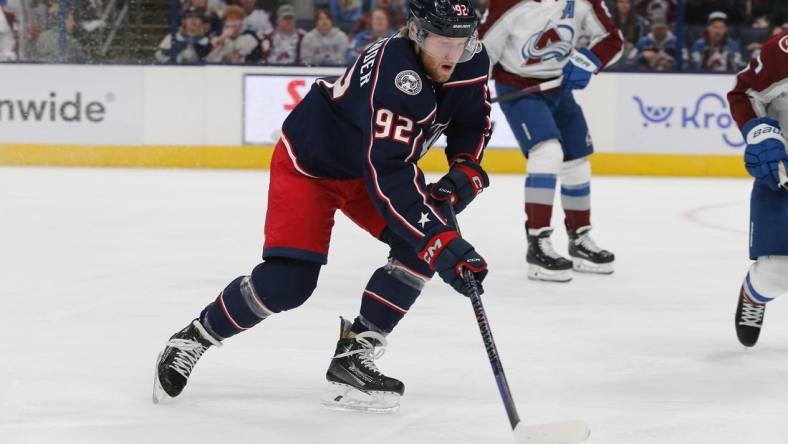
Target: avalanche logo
[553,43]
[784,44]
[710,111]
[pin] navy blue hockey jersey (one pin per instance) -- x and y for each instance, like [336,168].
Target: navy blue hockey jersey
[377,119]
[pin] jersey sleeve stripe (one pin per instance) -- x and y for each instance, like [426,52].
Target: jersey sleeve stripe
[429,116]
[424,196]
[465,82]
[416,144]
[372,169]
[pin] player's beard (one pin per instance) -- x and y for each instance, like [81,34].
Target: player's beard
[439,71]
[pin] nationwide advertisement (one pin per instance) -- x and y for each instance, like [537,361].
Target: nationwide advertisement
[71,105]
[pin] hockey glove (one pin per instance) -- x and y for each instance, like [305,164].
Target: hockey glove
[460,185]
[577,72]
[765,154]
[449,255]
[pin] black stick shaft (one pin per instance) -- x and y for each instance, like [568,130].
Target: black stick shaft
[487,337]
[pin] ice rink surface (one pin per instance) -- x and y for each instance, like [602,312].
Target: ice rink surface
[100,266]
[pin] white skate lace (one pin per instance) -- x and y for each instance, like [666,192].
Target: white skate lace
[368,352]
[546,245]
[586,242]
[187,356]
[752,314]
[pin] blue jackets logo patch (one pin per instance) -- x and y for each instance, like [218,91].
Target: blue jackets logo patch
[408,82]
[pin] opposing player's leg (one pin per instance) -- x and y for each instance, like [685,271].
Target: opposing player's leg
[575,177]
[544,263]
[531,121]
[767,278]
[298,229]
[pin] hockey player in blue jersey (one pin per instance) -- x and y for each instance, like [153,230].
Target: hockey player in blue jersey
[352,144]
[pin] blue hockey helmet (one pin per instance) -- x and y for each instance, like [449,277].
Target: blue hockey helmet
[444,28]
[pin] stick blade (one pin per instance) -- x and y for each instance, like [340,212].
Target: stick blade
[565,432]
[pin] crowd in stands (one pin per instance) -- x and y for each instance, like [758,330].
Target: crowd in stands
[718,35]
[244,33]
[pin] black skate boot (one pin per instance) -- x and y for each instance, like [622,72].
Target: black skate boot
[176,361]
[355,383]
[544,263]
[749,319]
[586,256]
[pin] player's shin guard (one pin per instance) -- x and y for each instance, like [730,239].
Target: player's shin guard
[389,294]
[766,280]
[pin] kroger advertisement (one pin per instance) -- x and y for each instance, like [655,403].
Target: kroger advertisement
[673,113]
[635,113]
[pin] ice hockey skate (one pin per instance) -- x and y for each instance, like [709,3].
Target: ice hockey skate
[176,362]
[544,264]
[586,256]
[749,319]
[354,382]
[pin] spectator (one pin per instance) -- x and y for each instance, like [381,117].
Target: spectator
[324,45]
[283,44]
[8,33]
[656,9]
[755,47]
[257,20]
[212,22]
[379,28]
[396,12]
[657,50]
[346,10]
[632,26]
[47,47]
[191,43]
[715,51]
[35,22]
[234,45]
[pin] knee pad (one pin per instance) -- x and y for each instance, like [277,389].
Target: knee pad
[403,258]
[545,157]
[576,172]
[767,278]
[285,283]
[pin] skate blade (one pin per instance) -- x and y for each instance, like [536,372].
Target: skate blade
[158,391]
[586,266]
[538,273]
[346,398]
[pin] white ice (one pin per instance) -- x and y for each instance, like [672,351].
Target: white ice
[99,266]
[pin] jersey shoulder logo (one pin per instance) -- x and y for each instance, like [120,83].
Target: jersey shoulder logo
[783,43]
[409,82]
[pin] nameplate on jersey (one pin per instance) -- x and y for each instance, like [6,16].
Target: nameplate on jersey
[368,63]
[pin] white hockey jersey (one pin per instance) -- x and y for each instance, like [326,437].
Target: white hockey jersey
[529,40]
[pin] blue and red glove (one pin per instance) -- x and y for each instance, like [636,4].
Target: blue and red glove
[449,254]
[577,72]
[464,181]
[765,151]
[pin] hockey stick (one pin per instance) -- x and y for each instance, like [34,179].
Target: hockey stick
[566,432]
[550,84]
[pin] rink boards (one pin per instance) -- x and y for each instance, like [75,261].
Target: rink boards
[228,117]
